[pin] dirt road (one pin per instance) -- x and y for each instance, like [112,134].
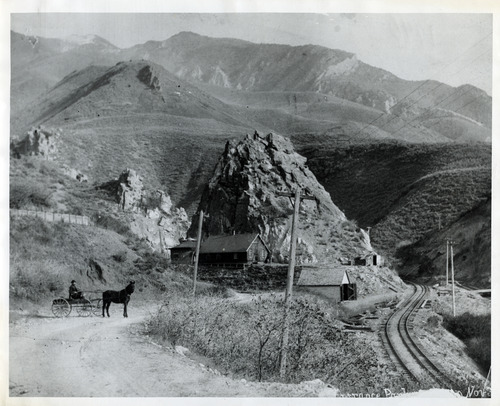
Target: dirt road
[97,357]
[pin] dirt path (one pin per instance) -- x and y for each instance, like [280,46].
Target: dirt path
[96,357]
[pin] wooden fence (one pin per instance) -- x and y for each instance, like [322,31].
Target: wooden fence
[54,217]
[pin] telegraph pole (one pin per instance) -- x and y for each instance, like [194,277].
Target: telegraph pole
[452,278]
[447,259]
[197,254]
[290,275]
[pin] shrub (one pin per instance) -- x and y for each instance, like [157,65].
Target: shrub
[214,290]
[245,339]
[25,194]
[475,332]
[120,256]
[111,223]
[433,321]
[469,325]
[152,261]
[35,280]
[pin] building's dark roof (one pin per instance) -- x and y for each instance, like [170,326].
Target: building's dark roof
[366,256]
[228,243]
[185,245]
[222,243]
[322,276]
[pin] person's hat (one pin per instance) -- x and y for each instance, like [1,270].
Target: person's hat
[73,281]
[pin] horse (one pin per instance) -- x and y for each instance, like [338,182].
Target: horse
[122,296]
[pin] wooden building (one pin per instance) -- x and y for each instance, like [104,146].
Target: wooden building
[234,249]
[333,284]
[370,259]
[237,249]
[183,253]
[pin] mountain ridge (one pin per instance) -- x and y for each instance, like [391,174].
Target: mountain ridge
[242,64]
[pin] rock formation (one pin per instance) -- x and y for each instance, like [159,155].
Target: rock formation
[127,190]
[242,197]
[149,78]
[37,142]
[151,213]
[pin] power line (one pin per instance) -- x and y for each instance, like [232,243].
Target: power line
[427,93]
[434,106]
[453,111]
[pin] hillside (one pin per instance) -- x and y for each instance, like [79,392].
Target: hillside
[324,115]
[243,65]
[309,81]
[405,192]
[426,259]
[141,115]
[38,63]
[240,65]
[46,256]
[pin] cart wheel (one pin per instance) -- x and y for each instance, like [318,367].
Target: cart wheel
[61,307]
[97,307]
[84,309]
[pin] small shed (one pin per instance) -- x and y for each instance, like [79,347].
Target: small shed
[370,259]
[332,283]
[234,249]
[183,253]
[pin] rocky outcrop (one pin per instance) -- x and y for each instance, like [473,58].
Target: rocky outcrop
[75,174]
[242,197]
[37,142]
[149,78]
[128,190]
[151,214]
[161,230]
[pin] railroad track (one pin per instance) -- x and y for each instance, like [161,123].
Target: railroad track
[405,351]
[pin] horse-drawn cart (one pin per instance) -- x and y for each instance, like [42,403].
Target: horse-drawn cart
[62,307]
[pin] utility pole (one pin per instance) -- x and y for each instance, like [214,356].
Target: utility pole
[452,278]
[447,258]
[197,253]
[290,275]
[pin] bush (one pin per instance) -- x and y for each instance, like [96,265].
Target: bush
[26,194]
[111,223]
[475,332]
[120,256]
[469,325]
[245,339]
[433,321]
[152,261]
[214,290]
[35,280]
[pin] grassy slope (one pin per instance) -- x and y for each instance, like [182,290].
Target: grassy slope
[317,114]
[170,136]
[401,191]
[446,194]
[472,253]
[45,257]
[366,181]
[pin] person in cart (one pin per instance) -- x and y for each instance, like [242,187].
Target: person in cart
[74,292]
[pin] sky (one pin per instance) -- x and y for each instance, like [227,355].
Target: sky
[453,48]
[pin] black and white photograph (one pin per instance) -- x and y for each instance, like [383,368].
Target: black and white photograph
[248,203]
